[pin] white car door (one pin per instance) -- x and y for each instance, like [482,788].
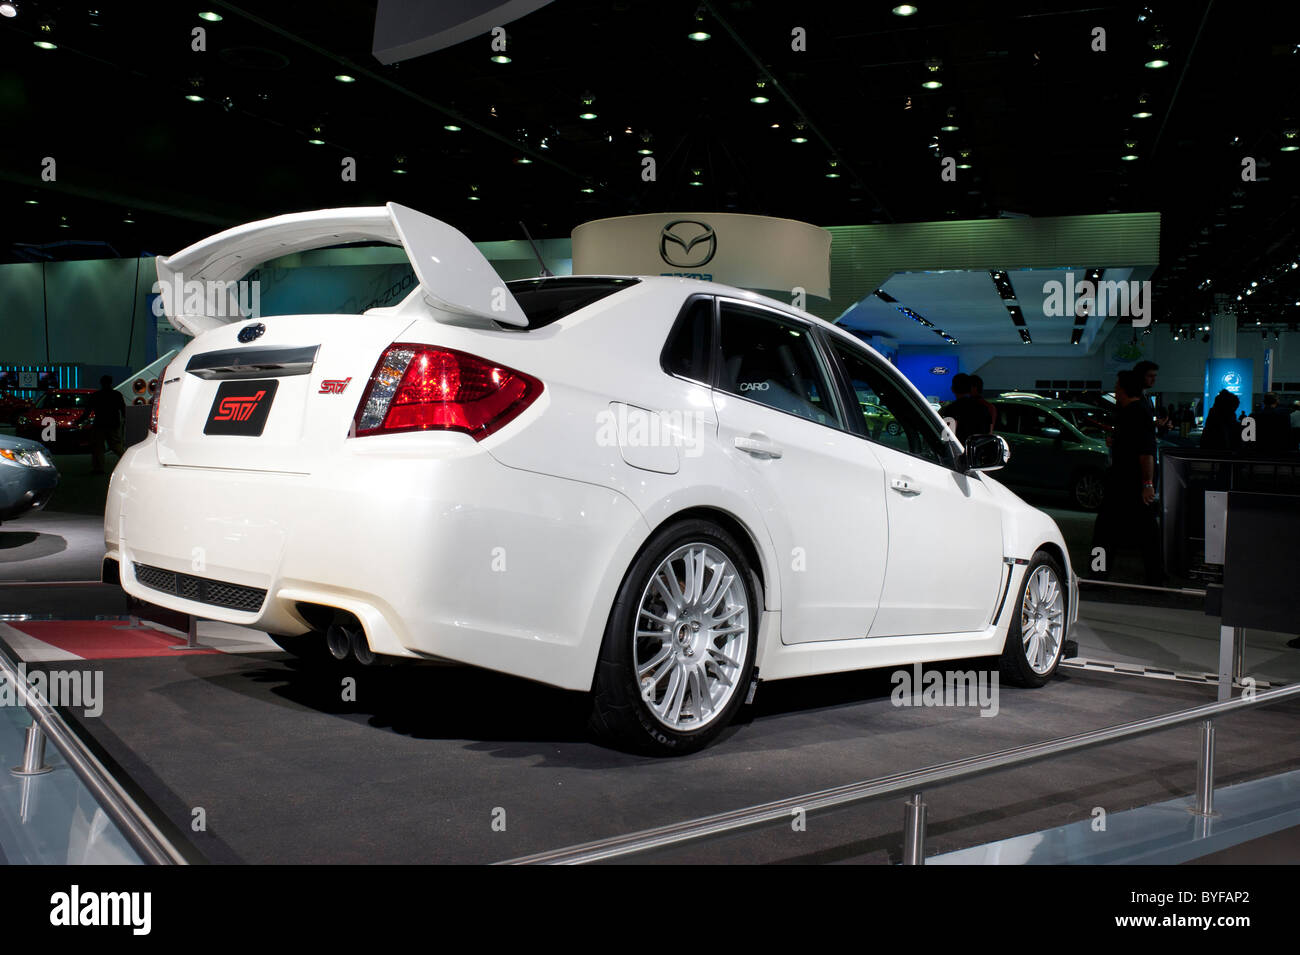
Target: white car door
[944,568]
[820,488]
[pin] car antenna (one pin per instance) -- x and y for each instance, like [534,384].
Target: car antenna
[546,273]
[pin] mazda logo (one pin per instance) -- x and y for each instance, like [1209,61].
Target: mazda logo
[687,244]
[250,332]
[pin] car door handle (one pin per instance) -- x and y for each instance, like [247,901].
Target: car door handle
[759,445]
[904,485]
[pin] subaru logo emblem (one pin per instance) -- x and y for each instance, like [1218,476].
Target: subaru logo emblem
[251,332]
[687,244]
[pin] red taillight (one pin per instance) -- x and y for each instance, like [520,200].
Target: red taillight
[427,388]
[153,410]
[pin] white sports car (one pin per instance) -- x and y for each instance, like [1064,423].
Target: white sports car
[650,488]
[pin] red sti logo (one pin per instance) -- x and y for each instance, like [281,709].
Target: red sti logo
[237,409]
[333,386]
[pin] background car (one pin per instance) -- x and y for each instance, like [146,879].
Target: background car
[12,405]
[73,419]
[27,476]
[1057,447]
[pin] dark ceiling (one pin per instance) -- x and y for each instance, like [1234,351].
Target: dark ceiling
[1042,120]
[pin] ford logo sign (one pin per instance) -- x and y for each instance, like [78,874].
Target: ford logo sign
[938,370]
[687,244]
[251,332]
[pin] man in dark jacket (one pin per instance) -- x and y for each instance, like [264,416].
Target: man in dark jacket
[1127,514]
[109,409]
[965,414]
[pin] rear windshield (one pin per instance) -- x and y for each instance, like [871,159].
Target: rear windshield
[548,300]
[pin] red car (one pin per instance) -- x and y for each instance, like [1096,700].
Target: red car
[70,409]
[11,406]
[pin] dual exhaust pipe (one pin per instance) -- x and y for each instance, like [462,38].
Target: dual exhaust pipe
[346,642]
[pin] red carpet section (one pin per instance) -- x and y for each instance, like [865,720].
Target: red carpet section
[102,639]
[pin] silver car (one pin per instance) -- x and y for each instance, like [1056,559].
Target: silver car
[27,476]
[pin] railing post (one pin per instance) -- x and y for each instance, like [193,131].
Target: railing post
[1205,771]
[33,754]
[914,830]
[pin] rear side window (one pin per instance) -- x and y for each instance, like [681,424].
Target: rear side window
[773,361]
[690,344]
[548,300]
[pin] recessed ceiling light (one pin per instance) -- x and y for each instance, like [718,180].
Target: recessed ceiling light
[963,165]
[799,139]
[588,189]
[472,198]
[32,202]
[1142,114]
[932,84]
[452,128]
[1290,148]
[586,116]
[345,78]
[645,152]
[129,221]
[523,160]
[1156,64]
[210,16]
[8,10]
[44,45]
[399,172]
[500,58]
[696,182]
[832,175]
[948,129]
[698,36]
[904,10]
[1129,157]
[194,97]
[760,99]
[316,142]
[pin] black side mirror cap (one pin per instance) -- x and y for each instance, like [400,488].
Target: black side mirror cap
[986,452]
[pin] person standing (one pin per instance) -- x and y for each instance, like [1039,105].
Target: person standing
[1221,431]
[109,409]
[1127,514]
[966,416]
[1147,376]
[977,392]
[1272,427]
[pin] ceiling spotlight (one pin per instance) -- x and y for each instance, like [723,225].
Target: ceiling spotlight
[904,10]
[473,193]
[949,128]
[1141,114]
[501,58]
[964,165]
[699,36]
[194,97]
[399,171]
[1129,157]
[645,152]
[832,173]
[587,189]
[316,142]
[451,128]
[32,202]
[1290,140]
[759,97]
[8,10]
[44,45]
[523,160]
[128,220]
[1156,64]
[587,115]
[932,84]
[798,139]
[210,16]
[587,100]
[344,78]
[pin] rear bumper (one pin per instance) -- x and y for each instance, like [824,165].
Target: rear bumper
[439,550]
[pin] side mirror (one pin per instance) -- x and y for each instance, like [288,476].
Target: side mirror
[986,452]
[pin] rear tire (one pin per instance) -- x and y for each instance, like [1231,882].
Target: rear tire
[1087,489]
[678,652]
[1041,611]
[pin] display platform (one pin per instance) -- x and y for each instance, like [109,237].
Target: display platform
[287,763]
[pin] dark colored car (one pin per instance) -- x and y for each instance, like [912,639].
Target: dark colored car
[69,408]
[27,476]
[1057,447]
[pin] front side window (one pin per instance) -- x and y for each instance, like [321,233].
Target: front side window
[773,361]
[890,416]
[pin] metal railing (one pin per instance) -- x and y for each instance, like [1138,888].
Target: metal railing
[133,822]
[915,782]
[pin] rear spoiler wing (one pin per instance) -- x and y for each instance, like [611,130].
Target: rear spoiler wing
[452,272]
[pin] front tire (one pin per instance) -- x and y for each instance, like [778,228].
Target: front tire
[678,651]
[1036,637]
[1087,489]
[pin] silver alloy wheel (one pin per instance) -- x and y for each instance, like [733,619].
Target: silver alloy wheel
[1042,619]
[1088,491]
[691,637]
